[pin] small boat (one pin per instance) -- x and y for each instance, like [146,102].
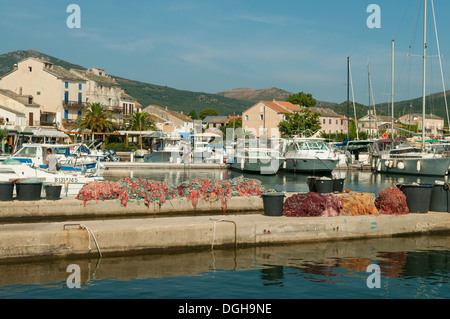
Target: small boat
[66,154]
[13,171]
[169,149]
[309,154]
[258,160]
[140,153]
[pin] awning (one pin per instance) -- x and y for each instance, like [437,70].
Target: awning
[49,133]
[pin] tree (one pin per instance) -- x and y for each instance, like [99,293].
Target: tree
[302,99]
[302,122]
[96,119]
[208,112]
[139,122]
[193,115]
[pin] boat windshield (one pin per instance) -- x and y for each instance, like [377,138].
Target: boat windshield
[26,152]
[316,146]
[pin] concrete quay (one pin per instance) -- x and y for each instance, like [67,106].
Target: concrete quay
[109,235]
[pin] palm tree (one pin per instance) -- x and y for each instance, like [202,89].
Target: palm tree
[139,122]
[96,119]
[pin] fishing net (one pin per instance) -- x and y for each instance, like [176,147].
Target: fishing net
[312,205]
[356,204]
[131,189]
[212,190]
[100,191]
[392,201]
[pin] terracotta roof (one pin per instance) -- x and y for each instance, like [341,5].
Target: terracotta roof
[289,105]
[279,107]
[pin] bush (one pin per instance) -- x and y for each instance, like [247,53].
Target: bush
[121,147]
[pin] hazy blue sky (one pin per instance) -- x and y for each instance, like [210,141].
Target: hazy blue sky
[216,45]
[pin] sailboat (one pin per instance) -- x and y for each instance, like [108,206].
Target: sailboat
[397,156]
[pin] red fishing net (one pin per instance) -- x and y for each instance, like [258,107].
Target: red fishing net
[392,201]
[312,205]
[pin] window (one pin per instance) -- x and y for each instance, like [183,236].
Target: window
[329,121]
[80,98]
[246,118]
[324,121]
[79,113]
[261,117]
[66,114]
[337,122]
[80,86]
[66,85]
[261,109]
[66,96]
[30,69]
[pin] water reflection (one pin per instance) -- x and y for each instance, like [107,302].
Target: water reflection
[361,181]
[405,263]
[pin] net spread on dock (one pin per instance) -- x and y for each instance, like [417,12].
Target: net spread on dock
[132,189]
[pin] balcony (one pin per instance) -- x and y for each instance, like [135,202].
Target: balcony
[74,105]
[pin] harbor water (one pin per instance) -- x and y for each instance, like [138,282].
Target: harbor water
[410,267]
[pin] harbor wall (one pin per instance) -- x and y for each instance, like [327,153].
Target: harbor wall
[116,236]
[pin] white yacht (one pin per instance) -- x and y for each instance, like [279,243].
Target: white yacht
[309,154]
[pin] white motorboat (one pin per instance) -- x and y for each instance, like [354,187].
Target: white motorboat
[72,181]
[258,160]
[309,154]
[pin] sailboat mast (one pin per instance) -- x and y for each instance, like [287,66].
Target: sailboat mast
[424,71]
[392,93]
[348,98]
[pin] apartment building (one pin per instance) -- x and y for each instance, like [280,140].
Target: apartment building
[262,119]
[330,121]
[434,125]
[63,94]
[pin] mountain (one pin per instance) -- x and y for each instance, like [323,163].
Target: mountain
[255,96]
[145,93]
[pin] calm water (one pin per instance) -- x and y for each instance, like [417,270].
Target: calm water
[411,267]
[283,181]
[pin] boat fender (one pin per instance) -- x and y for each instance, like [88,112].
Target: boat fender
[379,167]
[401,165]
[242,163]
[386,163]
[418,166]
[395,163]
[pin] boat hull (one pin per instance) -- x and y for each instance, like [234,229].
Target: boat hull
[308,165]
[412,166]
[257,166]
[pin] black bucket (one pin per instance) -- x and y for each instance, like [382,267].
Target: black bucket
[418,196]
[440,198]
[273,204]
[311,182]
[324,185]
[28,191]
[53,192]
[338,185]
[6,191]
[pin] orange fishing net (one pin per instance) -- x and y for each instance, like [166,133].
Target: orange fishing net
[356,204]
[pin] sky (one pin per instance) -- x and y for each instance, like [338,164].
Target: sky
[217,45]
